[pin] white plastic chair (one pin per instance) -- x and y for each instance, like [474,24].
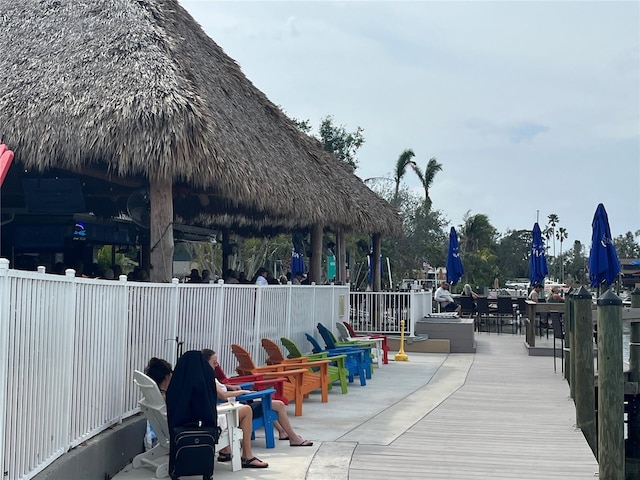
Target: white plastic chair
[153,405]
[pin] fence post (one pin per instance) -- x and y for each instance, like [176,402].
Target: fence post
[257,320]
[123,318]
[70,314]
[634,376]
[569,335]
[175,300]
[5,308]
[610,388]
[583,383]
[413,308]
[218,314]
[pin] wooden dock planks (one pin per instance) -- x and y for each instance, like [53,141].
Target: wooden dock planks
[510,420]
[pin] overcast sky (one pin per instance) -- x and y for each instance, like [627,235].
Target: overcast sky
[529,106]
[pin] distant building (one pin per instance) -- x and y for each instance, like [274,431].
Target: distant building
[630,270]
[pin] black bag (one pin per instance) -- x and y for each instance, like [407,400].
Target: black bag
[195,448]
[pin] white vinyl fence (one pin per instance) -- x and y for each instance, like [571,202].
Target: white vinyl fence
[381,312]
[68,347]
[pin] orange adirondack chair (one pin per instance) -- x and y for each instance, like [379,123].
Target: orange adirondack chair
[300,379]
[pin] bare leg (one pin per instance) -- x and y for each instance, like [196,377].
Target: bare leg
[285,424]
[246,417]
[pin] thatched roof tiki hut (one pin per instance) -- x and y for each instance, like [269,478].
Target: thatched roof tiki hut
[129,95]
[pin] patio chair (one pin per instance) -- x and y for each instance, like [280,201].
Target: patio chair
[331,343]
[484,311]
[504,309]
[299,381]
[264,391]
[521,310]
[467,306]
[254,382]
[385,340]
[337,369]
[380,343]
[355,359]
[154,408]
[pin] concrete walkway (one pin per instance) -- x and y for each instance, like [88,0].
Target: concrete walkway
[496,414]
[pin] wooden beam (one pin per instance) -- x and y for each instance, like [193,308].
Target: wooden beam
[161,231]
[377,278]
[316,254]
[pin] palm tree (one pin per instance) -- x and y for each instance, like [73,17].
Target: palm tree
[401,168]
[553,221]
[562,235]
[427,177]
[476,233]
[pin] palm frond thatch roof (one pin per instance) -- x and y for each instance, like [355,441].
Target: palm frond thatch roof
[136,88]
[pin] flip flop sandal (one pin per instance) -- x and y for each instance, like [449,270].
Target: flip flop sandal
[248,463]
[305,443]
[224,457]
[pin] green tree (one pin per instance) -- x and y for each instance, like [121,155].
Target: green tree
[626,245]
[335,138]
[401,168]
[512,253]
[576,265]
[553,221]
[427,177]
[477,233]
[562,235]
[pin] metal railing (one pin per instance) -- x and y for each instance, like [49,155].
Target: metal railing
[381,312]
[68,347]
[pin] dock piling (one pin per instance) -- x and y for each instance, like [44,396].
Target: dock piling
[611,455]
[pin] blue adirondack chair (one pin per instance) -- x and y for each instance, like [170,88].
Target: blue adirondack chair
[332,344]
[268,414]
[355,362]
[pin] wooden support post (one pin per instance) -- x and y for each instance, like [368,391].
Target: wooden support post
[377,278]
[226,253]
[161,230]
[633,426]
[316,254]
[531,326]
[341,257]
[569,335]
[611,457]
[583,384]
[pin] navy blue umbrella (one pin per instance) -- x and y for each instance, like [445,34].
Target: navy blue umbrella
[537,260]
[604,265]
[454,263]
[297,254]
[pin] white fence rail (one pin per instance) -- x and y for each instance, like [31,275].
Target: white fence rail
[68,347]
[381,312]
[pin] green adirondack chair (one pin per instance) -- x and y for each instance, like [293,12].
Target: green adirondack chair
[337,369]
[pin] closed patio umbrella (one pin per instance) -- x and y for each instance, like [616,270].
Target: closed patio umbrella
[297,254]
[604,265]
[454,263]
[537,260]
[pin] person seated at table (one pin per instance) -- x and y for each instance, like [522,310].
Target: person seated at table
[282,425]
[555,296]
[468,292]
[446,301]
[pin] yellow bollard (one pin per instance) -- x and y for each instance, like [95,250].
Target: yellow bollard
[401,356]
